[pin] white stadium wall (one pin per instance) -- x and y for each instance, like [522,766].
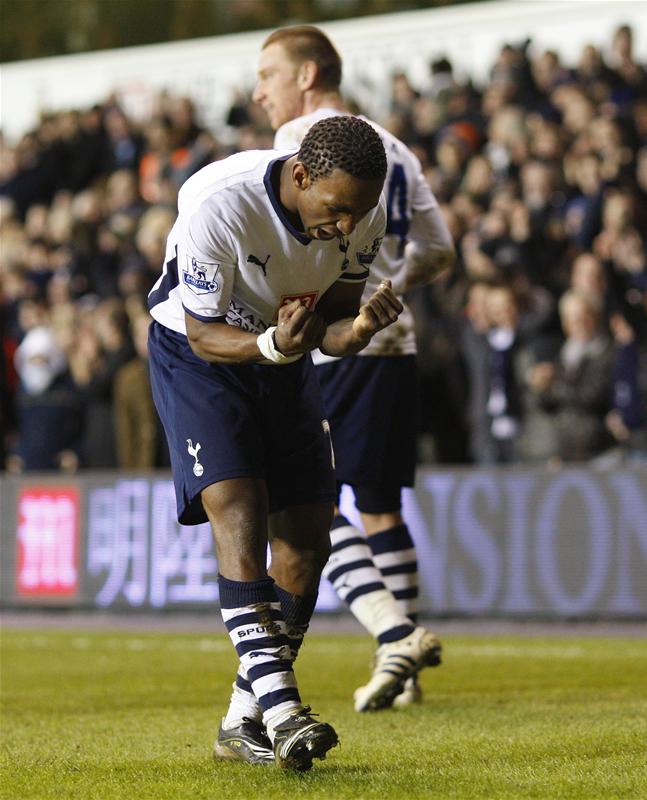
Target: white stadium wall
[211,70]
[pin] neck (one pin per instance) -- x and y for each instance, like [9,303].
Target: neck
[315,99]
[286,190]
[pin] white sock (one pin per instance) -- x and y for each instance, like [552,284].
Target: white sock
[242,703]
[357,581]
[394,554]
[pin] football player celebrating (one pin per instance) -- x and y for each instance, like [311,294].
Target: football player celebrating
[267,261]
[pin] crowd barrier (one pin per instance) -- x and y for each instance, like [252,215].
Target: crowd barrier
[506,542]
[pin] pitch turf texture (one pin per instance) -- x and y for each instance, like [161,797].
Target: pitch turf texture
[123,715]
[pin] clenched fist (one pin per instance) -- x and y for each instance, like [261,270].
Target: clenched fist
[298,330]
[380,310]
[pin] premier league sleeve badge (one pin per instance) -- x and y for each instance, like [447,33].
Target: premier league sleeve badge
[200,277]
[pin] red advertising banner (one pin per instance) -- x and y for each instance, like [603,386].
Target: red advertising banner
[47,563]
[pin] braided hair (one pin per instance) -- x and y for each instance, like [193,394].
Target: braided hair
[343,142]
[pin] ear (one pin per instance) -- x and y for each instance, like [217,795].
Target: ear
[307,75]
[301,176]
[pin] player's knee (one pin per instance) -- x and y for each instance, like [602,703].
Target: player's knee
[239,502]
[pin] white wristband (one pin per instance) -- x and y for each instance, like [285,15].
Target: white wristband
[265,342]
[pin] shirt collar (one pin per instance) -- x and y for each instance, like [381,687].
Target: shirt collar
[276,203]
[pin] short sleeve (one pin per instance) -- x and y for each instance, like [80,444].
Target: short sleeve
[206,267]
[363,250]
[290,135]
[423,197]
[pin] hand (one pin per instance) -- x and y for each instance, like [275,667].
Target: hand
[622,331]
[299,330]
[603,244]
[68,461]
[628,253]
[541,375]
[616,426]
[381,309]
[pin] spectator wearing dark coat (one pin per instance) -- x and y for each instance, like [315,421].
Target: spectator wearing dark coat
[138,430]
[575,389]
[47,405]
[107,347]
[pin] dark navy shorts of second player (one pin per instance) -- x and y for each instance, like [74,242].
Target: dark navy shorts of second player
[250,420]
[372,406]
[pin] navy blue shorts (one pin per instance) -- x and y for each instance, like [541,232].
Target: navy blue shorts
[239,420]
[372,406]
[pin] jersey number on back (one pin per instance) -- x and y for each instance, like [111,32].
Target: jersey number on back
[397,221]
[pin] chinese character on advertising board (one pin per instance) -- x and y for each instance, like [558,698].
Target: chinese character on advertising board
[183,565]
[47,539]
[118,541]
[140,553]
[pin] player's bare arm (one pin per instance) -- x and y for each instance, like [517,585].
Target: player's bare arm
[298,331]
[351,325]
[429,252]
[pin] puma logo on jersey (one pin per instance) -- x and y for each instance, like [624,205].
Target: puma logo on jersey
[252,259]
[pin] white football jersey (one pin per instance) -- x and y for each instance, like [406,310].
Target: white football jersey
[406,191]
[233,252]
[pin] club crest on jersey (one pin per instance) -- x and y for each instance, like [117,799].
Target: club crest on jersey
[366,255]
[307,298]
[343,248]
[201,277]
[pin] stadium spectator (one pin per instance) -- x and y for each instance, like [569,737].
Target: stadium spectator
[503,398]
[575,388]
[474,352]
[47,406]
[136,424]
[160,163]
[103,348]
[627,419]
[124,143]
[588,277]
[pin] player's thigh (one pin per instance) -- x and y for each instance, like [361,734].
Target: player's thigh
[303,527]
[299,454]
[210,417]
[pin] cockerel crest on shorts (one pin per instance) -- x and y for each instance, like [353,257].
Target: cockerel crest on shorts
[198,469]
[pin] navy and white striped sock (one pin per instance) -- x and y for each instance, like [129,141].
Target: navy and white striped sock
[297,612]
[252,614]
[357,580]
[394,554]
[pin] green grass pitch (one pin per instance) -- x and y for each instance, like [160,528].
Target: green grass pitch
[124,715]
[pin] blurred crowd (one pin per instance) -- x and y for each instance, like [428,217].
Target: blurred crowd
[533,349]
